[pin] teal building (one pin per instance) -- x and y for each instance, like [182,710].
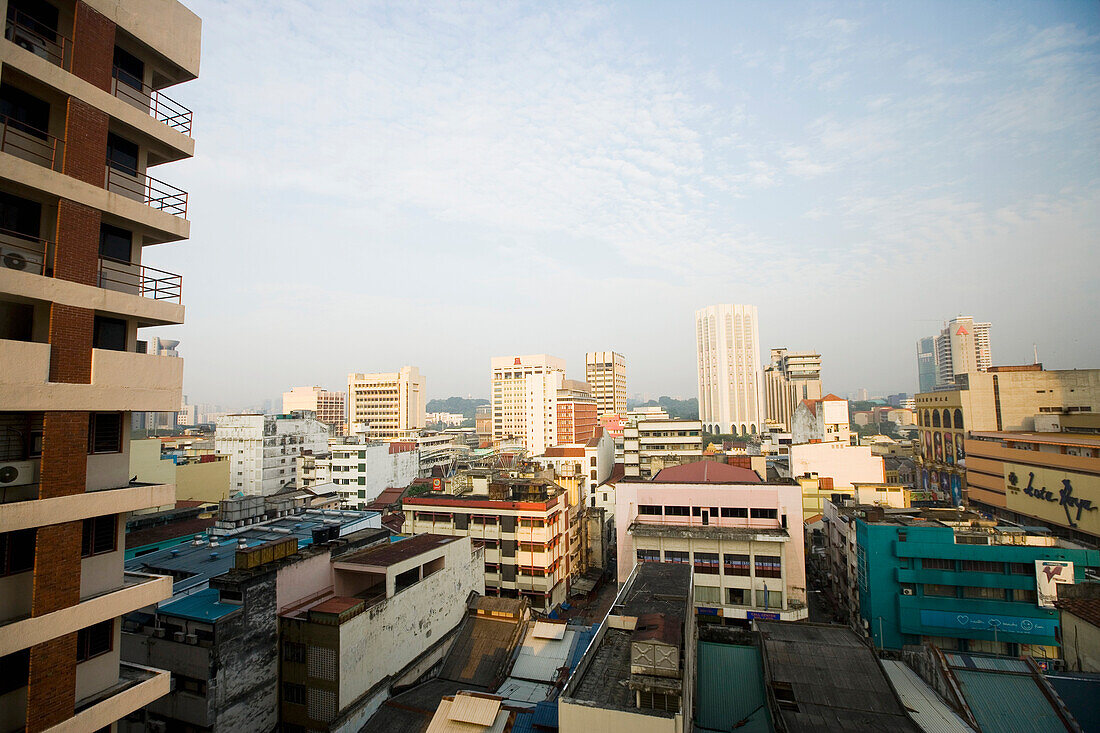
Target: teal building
[966,589]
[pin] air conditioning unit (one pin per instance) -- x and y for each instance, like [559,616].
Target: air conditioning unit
[907,591]
[158,632]
[191,639]
[178,636]
[18,473]
[13,259]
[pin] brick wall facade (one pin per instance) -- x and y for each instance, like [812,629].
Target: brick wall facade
[51,692]
[85,157]
[76,256]
[93,46]
[70,344]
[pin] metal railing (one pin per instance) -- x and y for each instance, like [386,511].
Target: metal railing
[22,252]
[29,143]
[148,190]
[38,38]
[148,282]
[161,107]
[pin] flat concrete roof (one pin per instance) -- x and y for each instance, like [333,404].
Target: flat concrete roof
[398,551]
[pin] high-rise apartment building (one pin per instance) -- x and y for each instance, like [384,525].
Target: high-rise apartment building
[606,372]
[576,411]
[791,377]
[389,404]
[263,449]
[961,347]
[731,395]
[83,122]
[524,394]
[330,407]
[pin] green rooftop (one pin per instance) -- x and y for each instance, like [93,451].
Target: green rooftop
[729,692]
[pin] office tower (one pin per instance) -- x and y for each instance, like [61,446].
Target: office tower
[961,347]
[524,394]
[263,449]
[927,367]
[329,407]
[791,377]
[389,404]
[606,372]
[84,120]
[576,413]
[730,379]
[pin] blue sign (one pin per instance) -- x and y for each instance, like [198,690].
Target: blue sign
[761,616]
[707,611]
[989,622]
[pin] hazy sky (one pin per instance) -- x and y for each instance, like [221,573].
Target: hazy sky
[378,185]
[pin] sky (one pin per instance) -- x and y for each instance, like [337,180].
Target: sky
[384,184]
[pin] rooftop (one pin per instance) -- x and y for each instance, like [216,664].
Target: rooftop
[987,682]
[203,605]
[824,677]
[1072,439]
[715,708]
[396,552]
[706,472]
[710,531]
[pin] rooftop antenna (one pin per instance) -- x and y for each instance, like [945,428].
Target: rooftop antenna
[1035,347]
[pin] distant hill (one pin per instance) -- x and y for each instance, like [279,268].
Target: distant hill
[459,405]
[683,409]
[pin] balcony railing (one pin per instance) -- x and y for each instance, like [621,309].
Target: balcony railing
[162,108]
[148,282]
[29,143]
[148,190]
[23,252]
[38,38]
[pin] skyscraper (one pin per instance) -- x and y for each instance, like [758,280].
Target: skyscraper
[961,347]
[791,377]
[85,120]
[390,404]
[730,379]
[605,371]
[524,393]
[927,371]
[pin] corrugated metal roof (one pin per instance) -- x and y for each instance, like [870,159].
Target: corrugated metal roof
[584,638]
[547,630]
[717,707]
[1007,703]
[442,723]
[540,659]
[978,661]
[524,692]
[925,707]
[474,709]
[203,605]
[546,715]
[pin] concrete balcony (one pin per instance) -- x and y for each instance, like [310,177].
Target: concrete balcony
[121,380]
[43,512]
[137,591]
[137,687]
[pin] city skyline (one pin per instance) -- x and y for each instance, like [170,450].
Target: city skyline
[525,168]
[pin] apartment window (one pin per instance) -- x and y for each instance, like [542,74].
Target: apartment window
[936,563]
[17,551]
[763,513]
[1028,596]
[100,535]
[362,480]
[25,112]
[532,547]
[735,512]
[294,694]
[769,598]
[487,544]
[531,522]
[483,520]
[122,155]
[129,69]
[14,671]
[105,432]
[95,640]
[649,556]
[677,511]
[649,509]
[768,566]
[1021,568]
[982,566]
[947,591]
[991,594]
[736,564]
[109,333]
[115,243]
[706,563]
[736,596]
[676,556]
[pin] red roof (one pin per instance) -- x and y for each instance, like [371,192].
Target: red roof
[831,398]
[706,472]
[1086,609]
[336,605]
[388,497]
[618,472]
[562,451]
[812,405]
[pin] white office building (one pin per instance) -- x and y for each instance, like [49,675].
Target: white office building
[389,404]
[524,394]
[961,348]
[263,449]
[605,371]
[731,396]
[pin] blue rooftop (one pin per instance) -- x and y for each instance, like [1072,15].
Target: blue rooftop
[202,605]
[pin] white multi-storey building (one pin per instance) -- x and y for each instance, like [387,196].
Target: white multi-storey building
[330,407]
[362,471]
[605,371]
[390,404]
[961,348]
[791,377]
[731,397]
[263,449]
[524,394]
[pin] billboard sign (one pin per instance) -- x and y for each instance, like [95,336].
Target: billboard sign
[1049,574]
[1067,498]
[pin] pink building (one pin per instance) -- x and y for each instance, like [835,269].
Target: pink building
[744,538]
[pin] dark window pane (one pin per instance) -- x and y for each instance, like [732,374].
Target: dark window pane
[25,112]
[17,551]
[14,669]
[110,333]
[122,155]
[114,243]
[105,432]
[95,640]
[20,215]
[129,69]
